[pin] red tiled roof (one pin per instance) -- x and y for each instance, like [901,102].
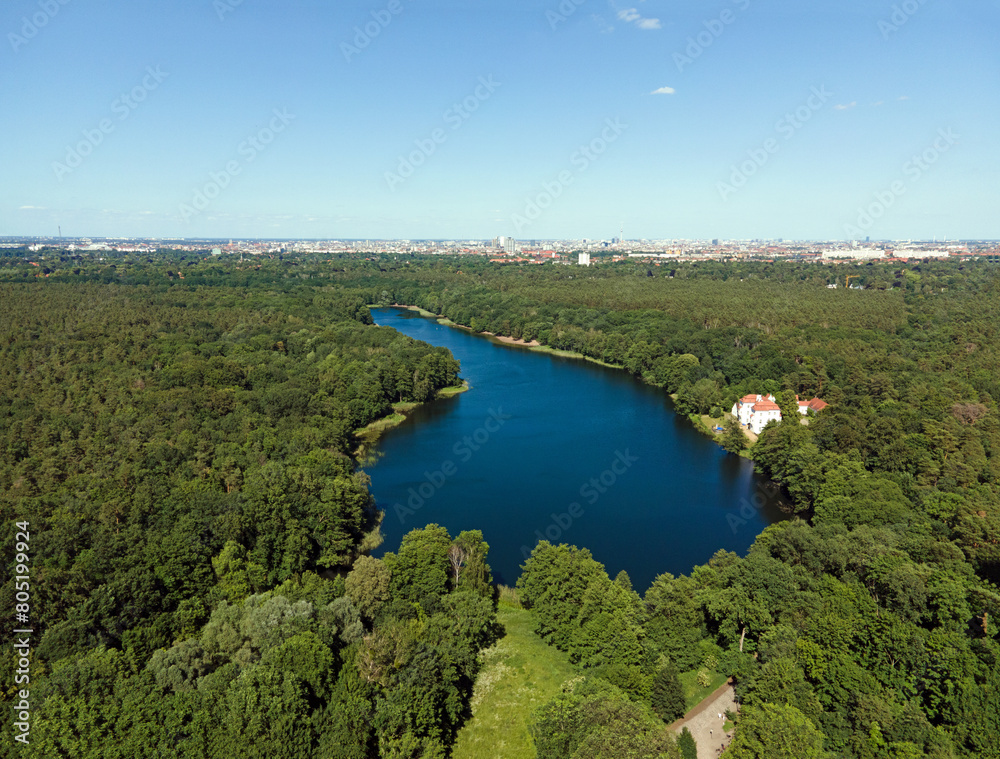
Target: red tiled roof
[816,404]
[766,406]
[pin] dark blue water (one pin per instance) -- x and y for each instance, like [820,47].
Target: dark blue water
[565,449]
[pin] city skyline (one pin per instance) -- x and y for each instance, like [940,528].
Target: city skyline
[552,120]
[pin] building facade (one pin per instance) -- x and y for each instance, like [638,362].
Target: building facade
[755,411]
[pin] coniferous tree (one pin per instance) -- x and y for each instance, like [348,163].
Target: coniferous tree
[667,695]
[685,742]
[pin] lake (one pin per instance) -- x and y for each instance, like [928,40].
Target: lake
[567,450]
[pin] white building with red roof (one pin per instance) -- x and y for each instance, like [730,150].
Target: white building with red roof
[755,411]
[815,405]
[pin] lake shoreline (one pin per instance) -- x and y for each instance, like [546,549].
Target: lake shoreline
[533,345]
[452,466]
[367,436]
[696,420]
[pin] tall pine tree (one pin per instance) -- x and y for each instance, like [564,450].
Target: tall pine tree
[685,742]
[667,695]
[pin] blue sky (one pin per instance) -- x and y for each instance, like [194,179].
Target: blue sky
[536,119]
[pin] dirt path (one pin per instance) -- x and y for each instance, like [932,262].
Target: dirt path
[704,723]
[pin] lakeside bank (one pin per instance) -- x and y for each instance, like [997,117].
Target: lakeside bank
[401,411]
[368,435]
[701,422]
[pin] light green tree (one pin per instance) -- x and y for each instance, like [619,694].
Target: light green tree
[773,731]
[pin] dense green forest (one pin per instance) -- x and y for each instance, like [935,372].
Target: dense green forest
[181,456]
[177,430]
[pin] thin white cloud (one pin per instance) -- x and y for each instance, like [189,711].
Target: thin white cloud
[32,208]
[663,91]
[880,102]
[904,97]
[632,16]
[845,107]
[603,25]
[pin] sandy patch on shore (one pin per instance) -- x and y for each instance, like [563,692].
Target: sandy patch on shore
[513,341]
[705,725]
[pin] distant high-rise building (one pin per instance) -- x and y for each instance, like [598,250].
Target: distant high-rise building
[584,259]
[509,246]
[715,241]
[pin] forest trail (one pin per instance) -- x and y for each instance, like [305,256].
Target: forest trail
[704,723]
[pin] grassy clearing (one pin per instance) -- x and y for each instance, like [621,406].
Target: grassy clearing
[520,673]
[509,597]
[417,309]
[694,694]
[710,423]
[368,435]
[705,424]
[371,433]
[448,392]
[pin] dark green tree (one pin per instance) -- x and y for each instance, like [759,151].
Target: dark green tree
[667,695]
[733,439]
[687,745]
